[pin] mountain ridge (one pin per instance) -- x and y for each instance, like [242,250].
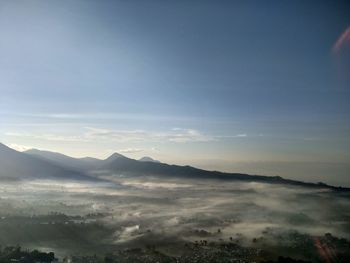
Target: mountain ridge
[120,164]
[17,166]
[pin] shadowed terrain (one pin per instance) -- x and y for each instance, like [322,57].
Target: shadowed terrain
[167,213]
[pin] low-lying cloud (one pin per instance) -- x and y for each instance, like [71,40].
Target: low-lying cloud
[150,209]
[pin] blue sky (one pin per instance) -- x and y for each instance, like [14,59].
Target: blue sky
[207,83]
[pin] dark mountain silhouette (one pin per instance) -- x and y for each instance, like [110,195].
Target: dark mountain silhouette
[120,164]
[15,165]
[85,164]
[114,157]
[80,164]
[148,159]
[127,166]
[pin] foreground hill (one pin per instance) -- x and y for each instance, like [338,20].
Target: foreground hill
[16,166]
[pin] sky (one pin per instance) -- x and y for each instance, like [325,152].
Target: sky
[241,86]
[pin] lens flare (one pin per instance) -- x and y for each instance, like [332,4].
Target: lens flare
[343,42]
[341,55]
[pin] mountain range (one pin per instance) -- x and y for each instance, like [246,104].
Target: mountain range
[34,164]
[16,165]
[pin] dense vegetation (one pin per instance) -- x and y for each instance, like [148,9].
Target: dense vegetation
[300,249]
[16,254]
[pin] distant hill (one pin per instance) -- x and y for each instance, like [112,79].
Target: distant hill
[80,164]
[120,164]
[131,167]
[148,159]
[16,165]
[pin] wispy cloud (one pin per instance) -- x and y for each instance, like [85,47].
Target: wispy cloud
[19,147]
[176,135]
[99,115]
[185,135]
[116,135]
[49,137]
[240,135]
[130,150]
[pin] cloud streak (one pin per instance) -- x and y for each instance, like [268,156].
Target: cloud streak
[130,150]
[19,147]
[123,136]
[179,135]
[93,134]
[49,137]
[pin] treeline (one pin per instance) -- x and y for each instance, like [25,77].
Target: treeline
[16,254]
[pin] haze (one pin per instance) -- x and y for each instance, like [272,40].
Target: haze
[240,86]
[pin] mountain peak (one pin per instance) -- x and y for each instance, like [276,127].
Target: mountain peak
[33,151]
[4,147]
[148,159]
[115,156]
